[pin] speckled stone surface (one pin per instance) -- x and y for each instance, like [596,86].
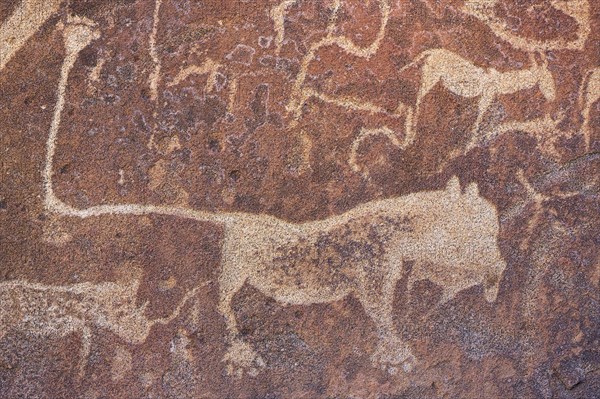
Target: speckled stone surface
[299,199]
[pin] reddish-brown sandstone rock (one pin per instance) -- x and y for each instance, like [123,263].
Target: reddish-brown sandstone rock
[298,198]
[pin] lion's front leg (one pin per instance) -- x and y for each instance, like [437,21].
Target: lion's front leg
[241,357]
[86,342]
[391,351]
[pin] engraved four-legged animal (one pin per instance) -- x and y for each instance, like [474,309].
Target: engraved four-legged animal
[460,76]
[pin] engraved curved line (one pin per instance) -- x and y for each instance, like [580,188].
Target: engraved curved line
[365,133]
[299,95]
[155,75]
[278,16]
[589,94]
[209,67]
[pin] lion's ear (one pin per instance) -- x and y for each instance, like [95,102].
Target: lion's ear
[453,187]
[472,190]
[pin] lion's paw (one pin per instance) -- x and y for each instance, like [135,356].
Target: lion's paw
[241,358]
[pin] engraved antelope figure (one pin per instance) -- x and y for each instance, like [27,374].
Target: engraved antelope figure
[460,76]
[50,310]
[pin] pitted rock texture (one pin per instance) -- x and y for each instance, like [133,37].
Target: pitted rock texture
[300,198]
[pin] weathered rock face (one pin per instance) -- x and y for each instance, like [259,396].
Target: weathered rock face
[279,199]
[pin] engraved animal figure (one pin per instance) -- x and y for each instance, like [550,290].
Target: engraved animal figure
[449,235]
[589,94]
[460,76]
[47,310]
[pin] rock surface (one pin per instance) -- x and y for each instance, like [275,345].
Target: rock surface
[298,198]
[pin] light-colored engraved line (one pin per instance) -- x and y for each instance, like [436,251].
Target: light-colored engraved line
[298,95]
[155,75]
[307,145]
[461,77]
[233,91]
[78,34]
[209,67]
[23,23]
[579,10]
[177,311]
[97,70]
[591,87]
[331,24]
[278,16]
[538,200]
[346,102]
[364,134]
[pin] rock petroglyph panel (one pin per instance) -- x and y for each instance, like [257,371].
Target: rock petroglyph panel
[261,250]
[332,198]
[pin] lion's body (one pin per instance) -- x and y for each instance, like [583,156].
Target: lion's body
[450,237]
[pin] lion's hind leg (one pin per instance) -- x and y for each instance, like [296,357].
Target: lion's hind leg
[240,355]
